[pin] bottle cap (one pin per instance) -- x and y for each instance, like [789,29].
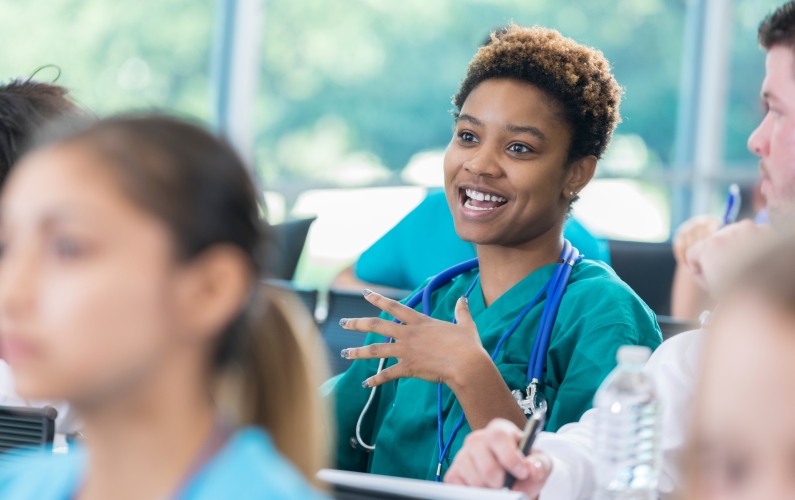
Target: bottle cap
[633,354]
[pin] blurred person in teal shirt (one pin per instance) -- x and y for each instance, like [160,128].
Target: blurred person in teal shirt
[129,288]
[425,243]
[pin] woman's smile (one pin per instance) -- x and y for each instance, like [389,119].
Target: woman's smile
[480,203]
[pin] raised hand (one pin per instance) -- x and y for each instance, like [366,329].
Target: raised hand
[426,348]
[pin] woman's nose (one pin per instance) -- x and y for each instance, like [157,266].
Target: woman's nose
[484,163]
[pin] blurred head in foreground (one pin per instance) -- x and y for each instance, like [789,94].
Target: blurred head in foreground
[129,282]
[744,427]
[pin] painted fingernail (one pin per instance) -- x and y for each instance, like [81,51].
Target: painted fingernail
[367,292]
[366,384]
[465,300]
[345,353]
[343,321]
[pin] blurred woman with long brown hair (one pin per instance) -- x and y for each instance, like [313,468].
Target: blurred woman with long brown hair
[129,287]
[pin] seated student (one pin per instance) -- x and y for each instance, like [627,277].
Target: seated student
[561,466]
[535,112]
[394,260]
[25,105]
[129,288]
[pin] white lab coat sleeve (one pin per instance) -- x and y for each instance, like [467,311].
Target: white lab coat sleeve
[674,373]
[65,423]
[673,367]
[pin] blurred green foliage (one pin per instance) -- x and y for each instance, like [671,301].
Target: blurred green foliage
[364,79]
[114,56]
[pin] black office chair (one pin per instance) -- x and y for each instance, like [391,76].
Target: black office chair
[344,305]
[25,429]
[347,305]
[648,268]
[672,326]
[286,246]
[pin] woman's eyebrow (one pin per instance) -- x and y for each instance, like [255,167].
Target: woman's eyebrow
[471,119]
[525,129]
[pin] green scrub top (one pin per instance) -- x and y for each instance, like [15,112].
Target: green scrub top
[598,314]
[425,243]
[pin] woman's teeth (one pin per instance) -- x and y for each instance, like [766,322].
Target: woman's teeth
[470,206]
[477,195]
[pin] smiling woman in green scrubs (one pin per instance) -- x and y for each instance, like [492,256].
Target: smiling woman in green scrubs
[536,111]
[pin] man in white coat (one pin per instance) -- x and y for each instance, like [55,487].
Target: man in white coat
[561,466]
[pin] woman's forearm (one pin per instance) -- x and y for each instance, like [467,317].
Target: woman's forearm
[483,394]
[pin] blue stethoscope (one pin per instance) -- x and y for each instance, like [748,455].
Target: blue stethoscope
[534,400]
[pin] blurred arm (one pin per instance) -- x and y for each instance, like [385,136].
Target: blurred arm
[688,299]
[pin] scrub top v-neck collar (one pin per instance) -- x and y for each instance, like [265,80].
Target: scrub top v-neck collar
[527,287]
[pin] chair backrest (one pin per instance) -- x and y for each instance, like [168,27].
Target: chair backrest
[287,244]
[672,326]
[344,305]
[648,268]
[25,429]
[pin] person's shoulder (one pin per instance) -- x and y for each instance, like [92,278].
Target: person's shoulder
[37,476]
[250,467]
[433,203]
[598,288]
[595,273]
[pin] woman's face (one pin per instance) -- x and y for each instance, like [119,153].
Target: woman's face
[745,436]
[504,168]
[86,280]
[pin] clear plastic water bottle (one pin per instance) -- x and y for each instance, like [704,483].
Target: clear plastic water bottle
[627,430]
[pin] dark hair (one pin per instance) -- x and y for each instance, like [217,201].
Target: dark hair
[577,77]
[778,27]
[265,361]
[24,106]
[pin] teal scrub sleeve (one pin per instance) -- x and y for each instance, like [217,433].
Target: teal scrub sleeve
[382,263]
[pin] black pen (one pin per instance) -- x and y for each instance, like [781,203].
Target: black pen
[533,426]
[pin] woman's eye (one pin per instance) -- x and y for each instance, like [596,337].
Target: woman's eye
[519,148]
[468,137]
[68,248]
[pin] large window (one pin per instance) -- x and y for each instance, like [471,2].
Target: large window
[352,112]
[114,56]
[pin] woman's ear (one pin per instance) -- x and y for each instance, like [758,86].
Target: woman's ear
[212,291]
[578,175]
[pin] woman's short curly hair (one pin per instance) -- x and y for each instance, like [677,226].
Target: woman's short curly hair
[576,76]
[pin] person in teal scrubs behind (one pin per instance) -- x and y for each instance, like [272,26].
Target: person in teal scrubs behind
[425,243]
[535,112]
[130,288]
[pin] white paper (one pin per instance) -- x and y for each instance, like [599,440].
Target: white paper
[414,488]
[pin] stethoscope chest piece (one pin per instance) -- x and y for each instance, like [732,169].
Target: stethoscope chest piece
[535,400]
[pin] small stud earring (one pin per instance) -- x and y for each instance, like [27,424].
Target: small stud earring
[572,193]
